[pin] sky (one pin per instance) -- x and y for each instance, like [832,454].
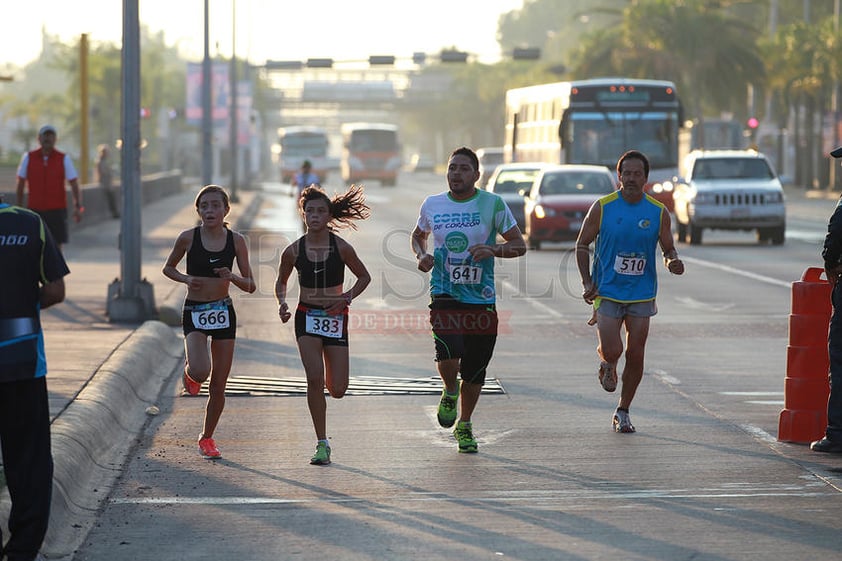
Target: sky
[270,29]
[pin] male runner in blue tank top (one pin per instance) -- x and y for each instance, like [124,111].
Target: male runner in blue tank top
[627,226]
[465,223]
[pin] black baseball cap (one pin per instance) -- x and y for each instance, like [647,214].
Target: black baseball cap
[837,153]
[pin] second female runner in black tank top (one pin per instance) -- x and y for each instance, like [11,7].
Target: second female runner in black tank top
[320,274]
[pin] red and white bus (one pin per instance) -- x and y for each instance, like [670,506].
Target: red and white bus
[370,151]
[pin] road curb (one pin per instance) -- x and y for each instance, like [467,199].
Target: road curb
[92,437]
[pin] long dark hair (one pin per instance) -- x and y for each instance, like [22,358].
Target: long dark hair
[344,209]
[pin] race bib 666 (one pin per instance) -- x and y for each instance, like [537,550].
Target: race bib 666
[214,316]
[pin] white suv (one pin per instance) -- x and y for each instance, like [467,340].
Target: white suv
[729,190]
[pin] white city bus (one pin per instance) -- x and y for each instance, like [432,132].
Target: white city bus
[594,122]
[299,143]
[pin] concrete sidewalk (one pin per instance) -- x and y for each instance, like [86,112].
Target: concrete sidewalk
[104,377]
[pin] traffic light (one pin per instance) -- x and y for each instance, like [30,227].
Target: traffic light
[145,112]
[753,123]
[526,53]
[453,55]
[284,65]
[381,60]
[319,63]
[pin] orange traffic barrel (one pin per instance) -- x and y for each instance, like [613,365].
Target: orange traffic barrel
[806,388]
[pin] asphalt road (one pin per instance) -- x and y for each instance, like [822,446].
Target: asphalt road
[704,477]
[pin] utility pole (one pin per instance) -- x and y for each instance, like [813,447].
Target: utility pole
[129,298]
[207,122]
[84,110]
[233,112]
[834,109]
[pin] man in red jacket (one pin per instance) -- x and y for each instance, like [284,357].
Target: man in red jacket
[46,170]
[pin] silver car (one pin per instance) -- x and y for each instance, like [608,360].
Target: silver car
[729,190]
[512,182]
[489,158]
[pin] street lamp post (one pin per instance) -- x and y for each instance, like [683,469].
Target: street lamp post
[129,298]
[207,123]
[233,112]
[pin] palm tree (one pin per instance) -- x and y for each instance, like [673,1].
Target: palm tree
[710,55]
[803,61]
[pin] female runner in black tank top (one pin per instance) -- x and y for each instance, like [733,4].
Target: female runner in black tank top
[211,249]
[321,317]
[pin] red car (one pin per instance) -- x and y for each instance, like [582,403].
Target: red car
[560,198]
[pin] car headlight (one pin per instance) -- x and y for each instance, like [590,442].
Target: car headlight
[543,212]
[777,197]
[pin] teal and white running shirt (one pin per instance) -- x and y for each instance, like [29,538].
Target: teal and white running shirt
[455,226]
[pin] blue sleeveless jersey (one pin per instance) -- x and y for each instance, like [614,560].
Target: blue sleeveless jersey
[624,266]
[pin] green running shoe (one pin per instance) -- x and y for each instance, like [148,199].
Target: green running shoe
[465,437]
[322,455]
[447,407]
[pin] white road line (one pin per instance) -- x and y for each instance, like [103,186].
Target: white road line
[810,236]
[533,302]
[576,496]
[759,433]
[735,271]
[664,377]
[753,394]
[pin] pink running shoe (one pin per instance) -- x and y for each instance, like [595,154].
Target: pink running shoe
[191,386]
[208,449]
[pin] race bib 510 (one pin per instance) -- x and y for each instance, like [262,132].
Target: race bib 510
[629,264]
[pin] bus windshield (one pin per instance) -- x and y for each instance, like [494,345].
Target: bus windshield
[373,141]
[304,145]
[599,138]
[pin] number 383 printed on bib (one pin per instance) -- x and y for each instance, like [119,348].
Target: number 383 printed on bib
[319,323]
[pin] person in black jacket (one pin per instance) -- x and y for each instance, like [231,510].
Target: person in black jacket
[28,249]
[832,255]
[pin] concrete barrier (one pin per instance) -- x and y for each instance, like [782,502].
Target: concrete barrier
[92,437]
[153,187]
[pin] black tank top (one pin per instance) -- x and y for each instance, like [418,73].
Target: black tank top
[201,262]
[320,274]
